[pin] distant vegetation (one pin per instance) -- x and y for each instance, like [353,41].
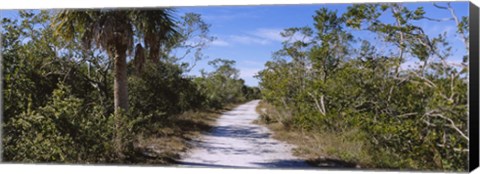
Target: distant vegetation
[326,81]
[87,86]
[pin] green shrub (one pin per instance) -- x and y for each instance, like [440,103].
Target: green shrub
[49,133]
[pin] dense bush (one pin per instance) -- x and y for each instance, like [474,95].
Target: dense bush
[415,117]
[162,87]
[223,85]
[51,132]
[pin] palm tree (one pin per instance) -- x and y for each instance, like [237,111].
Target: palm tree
[114,31]
[109,30]
[157,28]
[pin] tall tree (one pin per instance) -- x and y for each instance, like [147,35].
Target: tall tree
[115,32]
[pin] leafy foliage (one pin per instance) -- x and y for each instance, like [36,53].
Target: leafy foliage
[415,117]
[223,85]
[58,94]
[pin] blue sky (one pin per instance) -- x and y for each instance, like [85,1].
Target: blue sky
[250,34]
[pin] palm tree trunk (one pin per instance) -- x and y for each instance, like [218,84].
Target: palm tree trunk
[154,53]
[120,82]
[120,95]
[139,59]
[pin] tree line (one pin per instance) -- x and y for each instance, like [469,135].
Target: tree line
[80,86]
[325,79]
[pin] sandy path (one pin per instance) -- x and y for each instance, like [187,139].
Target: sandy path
[236,142]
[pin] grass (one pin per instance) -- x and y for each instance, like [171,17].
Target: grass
[171,139]
[322,149]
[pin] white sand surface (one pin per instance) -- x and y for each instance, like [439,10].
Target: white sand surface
[237,142]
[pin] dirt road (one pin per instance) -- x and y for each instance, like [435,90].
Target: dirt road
[237,142]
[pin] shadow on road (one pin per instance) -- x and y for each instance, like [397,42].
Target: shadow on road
[238,132]
[331,163]
[285,164]
[191,164]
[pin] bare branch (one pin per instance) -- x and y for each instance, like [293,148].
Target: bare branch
[454,149]
[430,83]
[407,114]
[452,124]
[457,21]
[321,109]
[438,6]
[438,20]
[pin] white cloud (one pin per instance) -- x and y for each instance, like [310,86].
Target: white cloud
[255,63]
[248,72]
[269,34]
[273,34]
[229,15]
[220,42]
[244,39]
[260,36]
